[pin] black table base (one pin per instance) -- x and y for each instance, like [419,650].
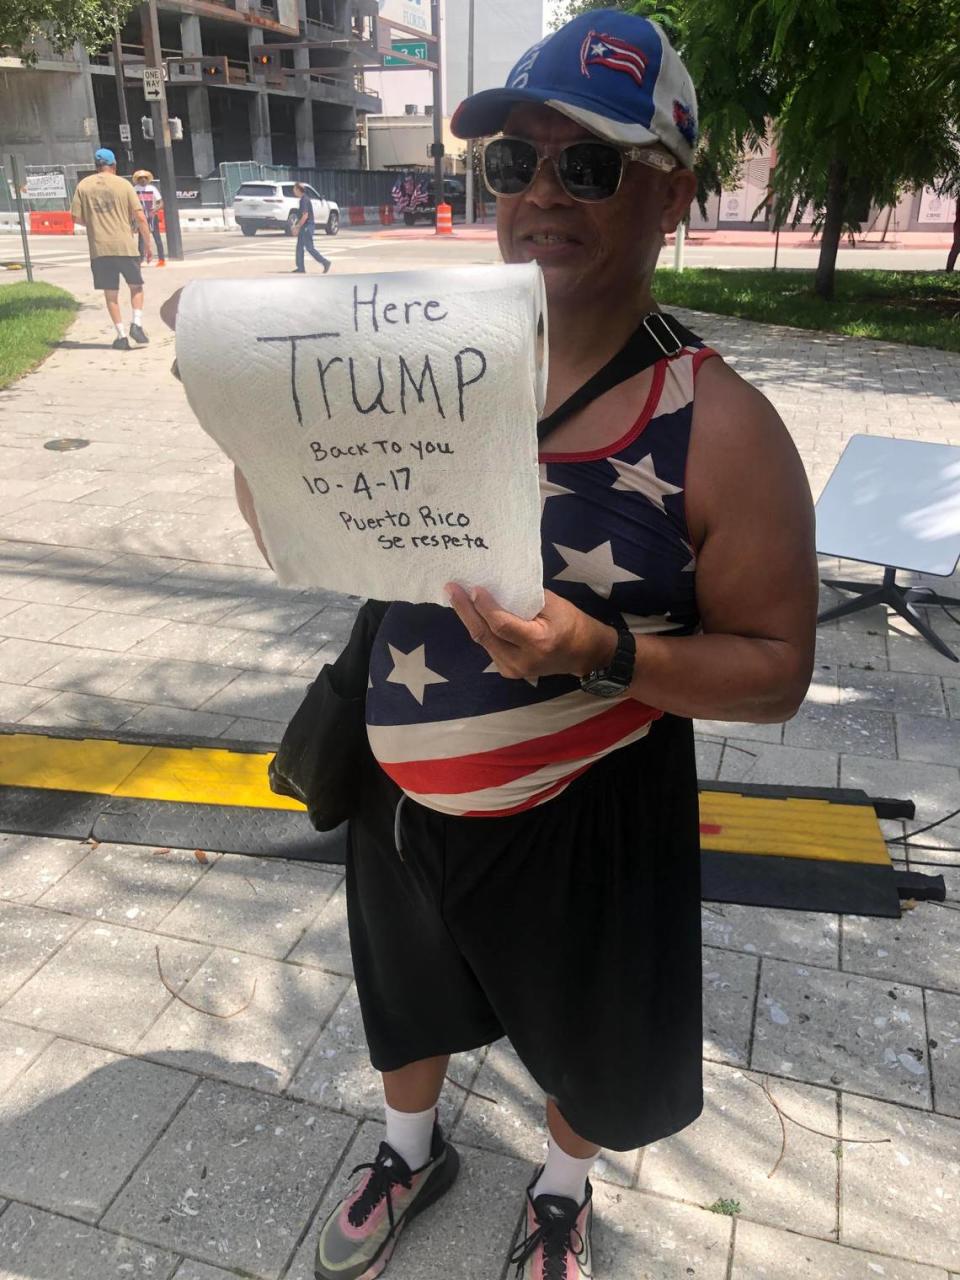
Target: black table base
[901,599]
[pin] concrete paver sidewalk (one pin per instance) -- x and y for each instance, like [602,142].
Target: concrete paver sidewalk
[142,1135]
[183,1088]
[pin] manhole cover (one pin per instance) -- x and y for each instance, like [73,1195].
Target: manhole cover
[64,446]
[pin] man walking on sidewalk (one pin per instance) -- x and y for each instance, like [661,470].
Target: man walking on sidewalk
[305,228]
[109,209]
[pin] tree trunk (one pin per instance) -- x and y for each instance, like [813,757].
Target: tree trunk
[837,191]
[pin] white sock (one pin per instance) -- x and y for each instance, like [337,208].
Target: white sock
[563,1175]
[409,1133]
[137,317]
[121,330]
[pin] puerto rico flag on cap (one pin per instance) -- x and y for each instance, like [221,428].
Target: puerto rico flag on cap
[615,73]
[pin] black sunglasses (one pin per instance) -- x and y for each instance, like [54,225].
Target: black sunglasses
[588,171]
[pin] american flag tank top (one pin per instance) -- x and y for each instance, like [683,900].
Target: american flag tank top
[456,736]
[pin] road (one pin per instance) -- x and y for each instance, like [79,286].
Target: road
[64,262]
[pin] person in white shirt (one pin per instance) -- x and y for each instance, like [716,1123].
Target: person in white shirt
[152,200]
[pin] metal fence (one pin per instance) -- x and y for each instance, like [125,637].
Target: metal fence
[44,177]
[346,186]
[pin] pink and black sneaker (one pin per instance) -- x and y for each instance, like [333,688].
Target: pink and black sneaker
[557,1245]
[358,1239]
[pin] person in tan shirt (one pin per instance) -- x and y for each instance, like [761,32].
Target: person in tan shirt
[109,209]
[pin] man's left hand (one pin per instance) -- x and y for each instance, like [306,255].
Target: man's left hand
[560,640]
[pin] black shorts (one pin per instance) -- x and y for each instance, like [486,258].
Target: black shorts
[107,272]
[573,929]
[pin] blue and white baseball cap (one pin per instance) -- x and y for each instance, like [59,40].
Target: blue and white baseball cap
[615,73]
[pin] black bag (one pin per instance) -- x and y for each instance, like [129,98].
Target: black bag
[324,750]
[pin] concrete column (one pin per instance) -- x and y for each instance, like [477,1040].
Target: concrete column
[90,107]
[337,138]
[261,144]
[303,112]
[198,101]
[190,36]
[306,151]
[201,133]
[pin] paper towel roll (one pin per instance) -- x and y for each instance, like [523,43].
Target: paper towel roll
[386,424]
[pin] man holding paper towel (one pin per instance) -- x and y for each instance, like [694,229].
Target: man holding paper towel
[526,862]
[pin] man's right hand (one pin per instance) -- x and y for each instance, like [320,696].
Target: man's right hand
[168,310]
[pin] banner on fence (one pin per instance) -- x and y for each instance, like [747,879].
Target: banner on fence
[46,186]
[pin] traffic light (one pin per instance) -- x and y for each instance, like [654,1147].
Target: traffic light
[213,68]
[264,63]
[146,124]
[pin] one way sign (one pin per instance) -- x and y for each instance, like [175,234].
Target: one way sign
[152,84]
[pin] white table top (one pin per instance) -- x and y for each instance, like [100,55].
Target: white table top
[893,503]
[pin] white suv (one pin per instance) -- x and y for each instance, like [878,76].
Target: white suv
[272,205]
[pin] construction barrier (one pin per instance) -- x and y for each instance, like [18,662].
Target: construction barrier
[356,215]
[444,220]
[50,224]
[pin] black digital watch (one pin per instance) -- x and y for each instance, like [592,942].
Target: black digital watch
[614,680]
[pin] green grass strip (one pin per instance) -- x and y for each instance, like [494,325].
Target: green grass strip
[33,319]
[917,307]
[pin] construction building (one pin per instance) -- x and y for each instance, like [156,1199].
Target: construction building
[274,81]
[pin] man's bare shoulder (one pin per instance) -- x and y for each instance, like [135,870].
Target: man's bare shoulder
[737,438]
[724,402]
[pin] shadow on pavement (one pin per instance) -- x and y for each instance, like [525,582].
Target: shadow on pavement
[83,346]
[104,1123]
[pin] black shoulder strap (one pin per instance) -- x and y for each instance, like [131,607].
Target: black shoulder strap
[657,336]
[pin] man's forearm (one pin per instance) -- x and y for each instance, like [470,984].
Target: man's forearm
[717,677]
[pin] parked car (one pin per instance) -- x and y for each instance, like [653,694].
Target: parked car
[414,198]
[272,206]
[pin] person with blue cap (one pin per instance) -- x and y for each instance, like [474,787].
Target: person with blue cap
[111,212]
[524,861]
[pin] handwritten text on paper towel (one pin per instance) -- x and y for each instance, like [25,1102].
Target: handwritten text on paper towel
[386,388]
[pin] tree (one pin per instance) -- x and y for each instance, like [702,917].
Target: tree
[863,96]
[62,23]
[569,9]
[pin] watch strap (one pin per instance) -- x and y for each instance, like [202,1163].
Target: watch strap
[622,665]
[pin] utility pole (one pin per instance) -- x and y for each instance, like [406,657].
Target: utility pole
[471,213]
[681,239]
[122,95]
[437,103]
[18,182]
[161,130]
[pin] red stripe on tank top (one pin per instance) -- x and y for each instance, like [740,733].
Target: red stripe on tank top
[486,769]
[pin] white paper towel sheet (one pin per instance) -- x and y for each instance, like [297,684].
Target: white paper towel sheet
[386,424]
